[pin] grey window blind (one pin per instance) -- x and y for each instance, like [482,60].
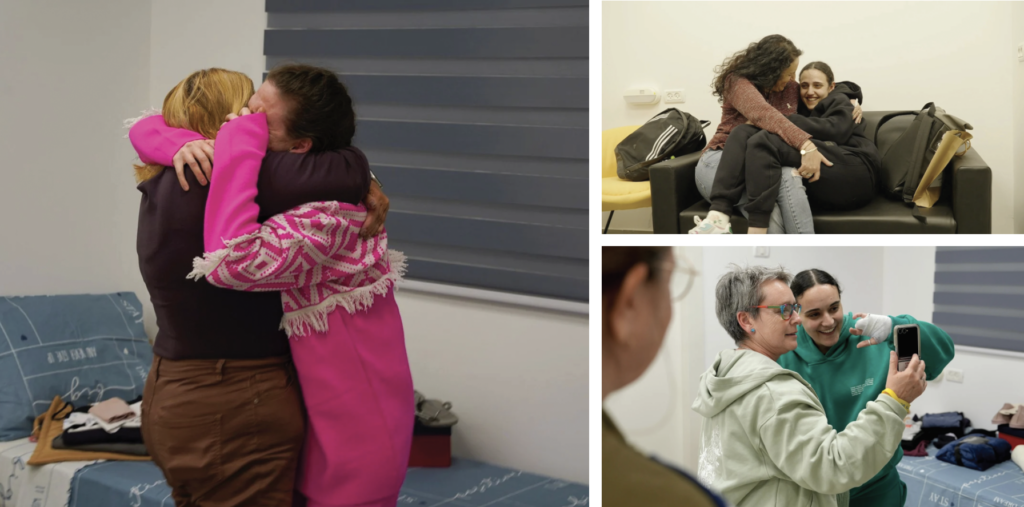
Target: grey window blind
[979,296]
[474,116]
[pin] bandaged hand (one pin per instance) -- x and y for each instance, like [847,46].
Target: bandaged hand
[875,327]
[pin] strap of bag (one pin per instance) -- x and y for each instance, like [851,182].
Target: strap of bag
[920,143]
[887,118]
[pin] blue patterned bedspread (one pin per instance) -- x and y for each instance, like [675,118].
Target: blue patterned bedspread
[466,484]
[931,482]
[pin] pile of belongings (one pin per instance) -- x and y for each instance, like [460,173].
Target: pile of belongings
[941,428]
[109,430]
[1010,421]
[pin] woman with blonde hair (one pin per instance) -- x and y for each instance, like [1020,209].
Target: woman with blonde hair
[222,416]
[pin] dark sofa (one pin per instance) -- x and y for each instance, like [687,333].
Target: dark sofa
[964,208]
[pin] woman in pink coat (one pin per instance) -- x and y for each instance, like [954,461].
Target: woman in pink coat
[337,289]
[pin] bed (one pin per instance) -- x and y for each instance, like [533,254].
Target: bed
[25,486]
[933,482]
[466,484]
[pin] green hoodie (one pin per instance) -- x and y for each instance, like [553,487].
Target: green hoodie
[847,378]
[765,439]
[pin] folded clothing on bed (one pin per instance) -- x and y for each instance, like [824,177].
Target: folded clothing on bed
[115,447]
[84,427]
[50,425]
[978,452]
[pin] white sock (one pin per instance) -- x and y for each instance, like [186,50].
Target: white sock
[718,217]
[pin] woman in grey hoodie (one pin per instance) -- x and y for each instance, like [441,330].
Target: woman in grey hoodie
[765,439]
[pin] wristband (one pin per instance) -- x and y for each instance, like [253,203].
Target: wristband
[892,394]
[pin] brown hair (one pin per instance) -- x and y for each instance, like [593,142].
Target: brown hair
[319,105]
[762,63]
[820,66]
[199,103]
[616,261]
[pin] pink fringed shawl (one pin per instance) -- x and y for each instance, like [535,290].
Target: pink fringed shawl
[312,254]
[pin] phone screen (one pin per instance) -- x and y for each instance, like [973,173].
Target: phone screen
[907,345]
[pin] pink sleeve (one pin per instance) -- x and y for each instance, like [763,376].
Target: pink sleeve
[156,143]
[231,210]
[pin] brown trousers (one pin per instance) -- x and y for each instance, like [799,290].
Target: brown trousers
[225,432]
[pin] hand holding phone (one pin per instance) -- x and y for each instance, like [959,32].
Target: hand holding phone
[907,338]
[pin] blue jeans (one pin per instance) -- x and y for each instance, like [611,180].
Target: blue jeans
[792,212]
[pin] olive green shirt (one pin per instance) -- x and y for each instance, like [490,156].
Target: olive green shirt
[631,479]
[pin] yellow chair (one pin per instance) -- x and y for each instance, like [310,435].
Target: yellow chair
[618,194]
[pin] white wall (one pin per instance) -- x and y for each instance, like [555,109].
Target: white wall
[72,71]
[897,62]
[190,35]
[517,377]
[1017,30]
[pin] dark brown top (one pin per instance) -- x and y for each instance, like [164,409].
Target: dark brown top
[196,319]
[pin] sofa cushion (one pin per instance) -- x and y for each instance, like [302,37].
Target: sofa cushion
[83,348]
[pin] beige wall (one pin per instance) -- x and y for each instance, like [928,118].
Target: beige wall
[959,55]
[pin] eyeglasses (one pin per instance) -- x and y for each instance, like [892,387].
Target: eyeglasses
[682,278]
[786,310]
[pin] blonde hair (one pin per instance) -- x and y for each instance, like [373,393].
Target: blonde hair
[199,103]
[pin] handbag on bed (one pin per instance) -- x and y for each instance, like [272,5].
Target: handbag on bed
[912,165]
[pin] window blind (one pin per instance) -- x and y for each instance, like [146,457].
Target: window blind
[474,116]
[979,296]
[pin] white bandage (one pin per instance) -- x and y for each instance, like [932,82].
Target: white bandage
[877,327]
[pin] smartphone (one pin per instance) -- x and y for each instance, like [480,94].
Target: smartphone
[908,343]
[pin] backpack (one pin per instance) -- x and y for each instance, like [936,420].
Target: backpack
[669,133]
[905,160]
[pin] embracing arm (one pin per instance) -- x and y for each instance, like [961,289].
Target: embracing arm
[835,125]
[286,179]
[156,143]
[799,441]
[751,104]
[288,250]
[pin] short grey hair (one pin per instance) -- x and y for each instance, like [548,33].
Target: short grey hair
[739,290]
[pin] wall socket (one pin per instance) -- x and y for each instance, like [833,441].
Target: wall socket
[762,251]
[674,96]
[1020,52]
[954,375]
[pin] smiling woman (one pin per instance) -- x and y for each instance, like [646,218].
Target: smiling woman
[828,336]
[756,411]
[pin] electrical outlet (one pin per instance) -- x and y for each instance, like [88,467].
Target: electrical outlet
[1020,52]
[955,375]
[677,95]
[762,251]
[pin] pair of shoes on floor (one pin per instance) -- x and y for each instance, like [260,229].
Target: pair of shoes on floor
[714,223]
[434,413]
